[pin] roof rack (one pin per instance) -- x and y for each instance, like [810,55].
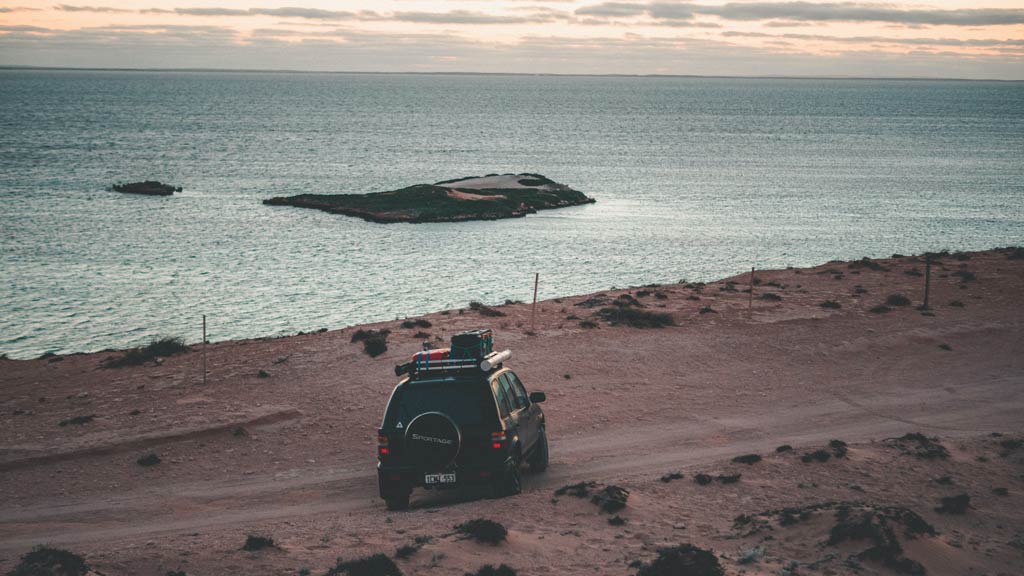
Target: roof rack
[423,364]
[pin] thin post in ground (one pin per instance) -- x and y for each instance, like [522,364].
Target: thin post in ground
[204,349]
[927,281]
[533,310]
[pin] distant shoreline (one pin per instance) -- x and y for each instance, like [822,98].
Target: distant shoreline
[5,67]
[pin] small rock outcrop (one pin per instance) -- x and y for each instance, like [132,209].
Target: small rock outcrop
[147,188]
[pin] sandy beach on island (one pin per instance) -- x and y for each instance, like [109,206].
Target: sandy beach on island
[289,454]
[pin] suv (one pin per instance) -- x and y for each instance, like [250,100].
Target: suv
[459,423]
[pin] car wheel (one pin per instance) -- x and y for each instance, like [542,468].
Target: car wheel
[510,483]
[539,458]
[397,501]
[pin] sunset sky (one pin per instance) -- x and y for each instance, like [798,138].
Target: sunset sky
[939,38]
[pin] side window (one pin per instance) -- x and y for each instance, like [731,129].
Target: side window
[513,402]
[517,390]
[499,394]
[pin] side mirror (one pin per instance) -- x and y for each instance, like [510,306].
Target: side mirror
[538,397]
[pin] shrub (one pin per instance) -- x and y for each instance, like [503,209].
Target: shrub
[421,335]
[375,342]
[254,543]
[150,459]
[611,498]
[406,551]
[636,318]
[946,347]
[483,530]
[485,310]
[913,272]
[78,420]
[819,455]
[376,565]
[771,296]
[956,303]
[671,476]
[1015,253]
[158,348]
[702,479]
[880,309]
[866,263]
[954,504]
[661,296]
[579,489]
[784,448]
[747,459]
[708,310]
[263,374]
[965,275]
[683,559]
[489,570]
[831,304]
[408,324]
[617,520]
[897,300]
[588,324]
[729,478]
[46,561]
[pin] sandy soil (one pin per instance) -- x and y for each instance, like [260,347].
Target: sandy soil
[503,181]
[291,455]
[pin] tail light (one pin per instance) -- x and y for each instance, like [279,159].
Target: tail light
[382,446]
[498,440]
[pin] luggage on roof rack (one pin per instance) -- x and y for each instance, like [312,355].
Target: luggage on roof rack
[473,344]
[471,350]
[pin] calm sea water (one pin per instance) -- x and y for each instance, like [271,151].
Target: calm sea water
[695,179]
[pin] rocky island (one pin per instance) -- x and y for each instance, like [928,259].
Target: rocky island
[473,198]
[147,188]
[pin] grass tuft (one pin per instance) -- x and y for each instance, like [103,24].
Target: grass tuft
[254,543]
[158,348]
[46,561]
[376,565]
[897,300]
[636,318]
[483,530]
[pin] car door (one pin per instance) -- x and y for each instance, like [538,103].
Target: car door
[527,414]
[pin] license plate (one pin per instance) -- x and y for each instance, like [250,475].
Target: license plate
[439,478]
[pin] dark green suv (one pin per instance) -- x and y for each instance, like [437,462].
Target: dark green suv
[459,425]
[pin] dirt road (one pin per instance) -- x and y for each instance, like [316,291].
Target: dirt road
[624,406]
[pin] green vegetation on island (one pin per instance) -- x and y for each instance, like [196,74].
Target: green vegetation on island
[475,198]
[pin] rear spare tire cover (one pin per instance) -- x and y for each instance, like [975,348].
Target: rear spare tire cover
[432,441]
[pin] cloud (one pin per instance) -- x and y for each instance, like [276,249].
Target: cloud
[539,15]
[809,12]
[971,43]
[363,50]
[101,9]
[32,29]
[467,17]
[8,9]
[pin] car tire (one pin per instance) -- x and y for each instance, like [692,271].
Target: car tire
[397,501]
[539,458]
[511,481]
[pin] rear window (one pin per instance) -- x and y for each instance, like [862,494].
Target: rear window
[468,405]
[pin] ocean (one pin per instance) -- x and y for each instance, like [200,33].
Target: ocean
[695,178]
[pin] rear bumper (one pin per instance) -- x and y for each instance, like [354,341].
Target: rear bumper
[399,479]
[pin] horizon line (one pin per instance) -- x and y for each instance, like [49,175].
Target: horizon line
[466,73]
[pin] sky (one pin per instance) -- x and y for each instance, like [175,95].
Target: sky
[858,38]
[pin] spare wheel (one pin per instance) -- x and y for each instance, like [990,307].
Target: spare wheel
[432,441]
